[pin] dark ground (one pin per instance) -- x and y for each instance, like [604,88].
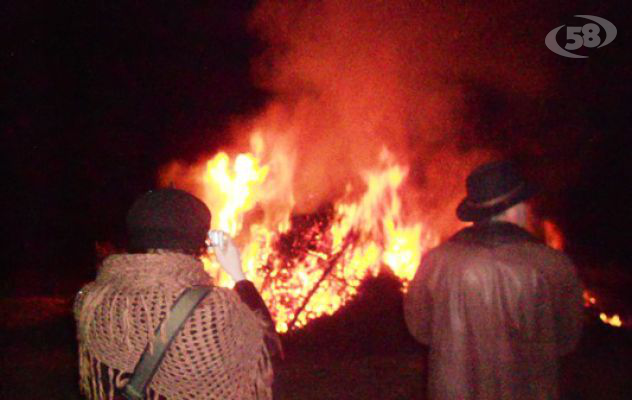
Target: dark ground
[362,352]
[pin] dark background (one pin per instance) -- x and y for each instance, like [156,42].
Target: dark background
[94,98]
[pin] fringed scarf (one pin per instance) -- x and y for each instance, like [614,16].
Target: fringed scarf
[218,354]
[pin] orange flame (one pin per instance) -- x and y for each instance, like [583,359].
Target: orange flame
[554,238]
[552,235]
[251,197]
[589,299]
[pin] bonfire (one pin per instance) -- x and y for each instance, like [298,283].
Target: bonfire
[307,265]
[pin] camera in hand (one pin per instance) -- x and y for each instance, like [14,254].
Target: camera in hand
[216,238]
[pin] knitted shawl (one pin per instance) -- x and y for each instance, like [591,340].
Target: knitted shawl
[218,354]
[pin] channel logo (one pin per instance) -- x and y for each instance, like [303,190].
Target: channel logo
[598,33]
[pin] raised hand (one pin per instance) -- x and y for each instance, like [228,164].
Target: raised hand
[229,258]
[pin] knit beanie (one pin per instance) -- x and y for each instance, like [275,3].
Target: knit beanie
[168,219]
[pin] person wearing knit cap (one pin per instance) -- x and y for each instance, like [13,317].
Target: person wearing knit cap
[495,306]
[225,349]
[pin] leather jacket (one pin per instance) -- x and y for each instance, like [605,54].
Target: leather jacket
[497,308]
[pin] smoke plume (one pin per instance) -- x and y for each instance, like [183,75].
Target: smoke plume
[350,78]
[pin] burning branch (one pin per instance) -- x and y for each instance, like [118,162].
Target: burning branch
[307,265]
[333,261]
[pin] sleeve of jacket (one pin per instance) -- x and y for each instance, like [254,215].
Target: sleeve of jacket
[250,296]
[418,304]
[568,304]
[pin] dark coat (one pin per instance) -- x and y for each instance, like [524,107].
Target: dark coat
[497,309]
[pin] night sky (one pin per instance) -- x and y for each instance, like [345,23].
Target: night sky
[95,98]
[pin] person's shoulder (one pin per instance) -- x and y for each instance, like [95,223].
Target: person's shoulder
[220,295]
[456,246]
[541,258]
[435,255]
[451,244]
[434,252]
[224,300]
[80,296]
[450,259]
[544,251]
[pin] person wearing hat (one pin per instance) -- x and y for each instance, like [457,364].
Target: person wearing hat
[225,344]
[496,307]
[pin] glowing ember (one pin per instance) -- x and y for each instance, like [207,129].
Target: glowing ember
[310,265]
[589,300]
[615,320]
[554,238]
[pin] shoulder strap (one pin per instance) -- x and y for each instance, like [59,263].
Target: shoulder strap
[150,361]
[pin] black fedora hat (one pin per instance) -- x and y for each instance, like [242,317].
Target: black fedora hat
[491,189]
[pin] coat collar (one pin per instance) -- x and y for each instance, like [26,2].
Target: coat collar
[491,234]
